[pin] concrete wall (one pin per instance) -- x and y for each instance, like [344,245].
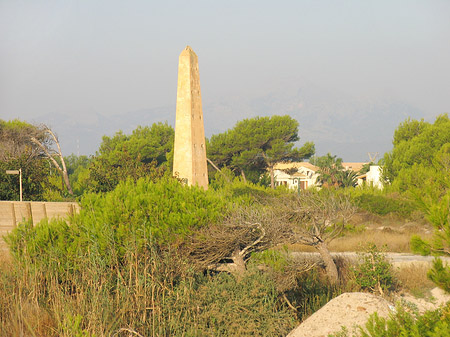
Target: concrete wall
[14,212]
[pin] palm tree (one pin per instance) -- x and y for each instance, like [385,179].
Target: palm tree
[348,178]
[330,168]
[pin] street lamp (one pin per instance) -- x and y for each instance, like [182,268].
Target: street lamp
[19,172]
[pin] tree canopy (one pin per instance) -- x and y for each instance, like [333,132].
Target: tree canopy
[419,164]
[148,151]
[257,144]
[153,143]
[332,173]
[415,159]
[17,151]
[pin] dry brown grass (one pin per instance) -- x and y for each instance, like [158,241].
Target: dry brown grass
[387,231]
[20,312]
[394,241]
[413,278]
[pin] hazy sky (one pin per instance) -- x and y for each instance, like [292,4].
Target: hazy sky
[110,57]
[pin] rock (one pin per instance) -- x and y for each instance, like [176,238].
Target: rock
[348,309]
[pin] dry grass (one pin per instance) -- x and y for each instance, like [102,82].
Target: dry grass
[21,314]
[387,231]
[413,278]
[394,241]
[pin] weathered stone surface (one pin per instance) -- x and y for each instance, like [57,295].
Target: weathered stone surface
[189,160]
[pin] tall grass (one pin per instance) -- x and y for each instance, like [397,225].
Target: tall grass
[151,292]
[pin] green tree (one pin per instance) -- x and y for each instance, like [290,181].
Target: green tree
[35,178]
[434,199]
[348,178]
[17,151]
[330,170]
[77,168]
[415,146]
[153,143]
[257,144]
[148,151]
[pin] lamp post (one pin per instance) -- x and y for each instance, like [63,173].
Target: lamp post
[19,172]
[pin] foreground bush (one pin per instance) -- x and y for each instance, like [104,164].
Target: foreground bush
[374,272]
[151,293]
[117,267]
[134,213]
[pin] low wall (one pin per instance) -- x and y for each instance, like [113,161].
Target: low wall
[14,212]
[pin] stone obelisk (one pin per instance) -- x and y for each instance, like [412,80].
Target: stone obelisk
[189,161]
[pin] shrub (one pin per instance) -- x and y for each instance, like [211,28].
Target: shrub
[382,205]
[227,307]
[275,259]
[134,214]
[117,266]
[153,293]
[374,272]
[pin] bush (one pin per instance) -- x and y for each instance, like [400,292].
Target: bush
[313,290]
[153,293]
[275,259]
[117,266]
[374,272]
[382,205]
[227,307]
[136,214]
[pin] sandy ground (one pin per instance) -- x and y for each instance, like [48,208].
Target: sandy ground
[353,309]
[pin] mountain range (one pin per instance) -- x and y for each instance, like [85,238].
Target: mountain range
[345,126]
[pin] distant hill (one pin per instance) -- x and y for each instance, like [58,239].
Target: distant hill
[344,126]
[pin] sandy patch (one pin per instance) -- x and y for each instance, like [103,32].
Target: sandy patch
[348,309]
[353,309]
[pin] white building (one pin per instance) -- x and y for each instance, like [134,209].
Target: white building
[371,178]
[302,175]
[298,175]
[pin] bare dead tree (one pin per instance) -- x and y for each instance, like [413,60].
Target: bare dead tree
[313,219]
[319,218]
[50,153]
[228,246]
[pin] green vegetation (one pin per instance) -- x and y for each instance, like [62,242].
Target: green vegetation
[256,145]
[122,263]
[416,161]
[382,204]
[147,152]
[332,173]
[374,272]
[431,324]
[149,256]
[19,149]
[143,212]
[419,166]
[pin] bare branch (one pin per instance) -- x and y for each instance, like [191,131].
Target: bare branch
[244,251]
[63,169]
[47,153]
[214,165]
